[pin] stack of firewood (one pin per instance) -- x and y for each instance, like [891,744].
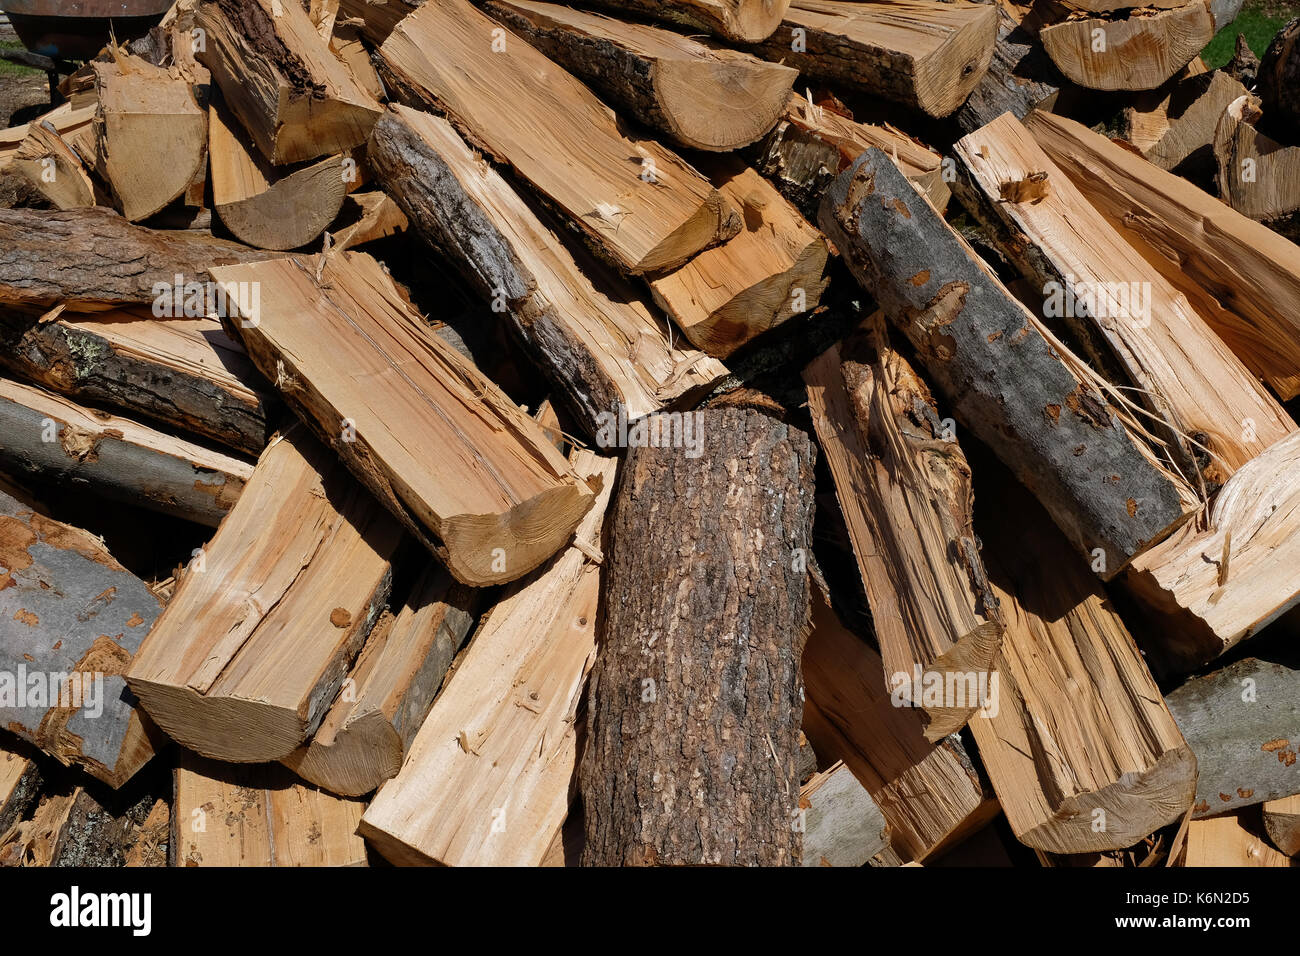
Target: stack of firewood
[765,432]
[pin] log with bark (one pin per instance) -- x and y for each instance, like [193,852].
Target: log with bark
[671,776]
[1174,125]
[774,269]
[1282,823]
[1256,175]
[913,52]
[598,338]
[1020,78]
[1279,78]
[384,700]
[268,616]
[1242,723]
[224,815]
[1231,571]
[74,619]
[51,440]
[1240,276]
[446,451]
[842,826]
[491,774]
[1027,397]
[296,99]
[904,489]
[1119,307]
[701,96]
[184,372]
[642,205]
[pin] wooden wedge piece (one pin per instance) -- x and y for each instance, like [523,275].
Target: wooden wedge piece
[913,52]
[904,489]
[265,621]
[1174,126]
[1282,823]
[228,815]
[363,738]
[54,169]
[71,621]
[74,258]
[366,217]
[1256,175]
[50,439]
[1232,571]
[1225,842]
[490,775]
[185,372]
[295,98]
[704,97]
[598,338]
[639,203]
[1216,414]
[774,269]
[440,446]
[265,206]
[842,826]
[153,136]
[73,120]
[741,21]
[651,737]
[1242,277]
[1019,392]
[1242,724]
[1137,52]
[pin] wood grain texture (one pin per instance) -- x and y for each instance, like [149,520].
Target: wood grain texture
[1256,175]
[742,21]
[1282,823]
[842,826]
[1226,842]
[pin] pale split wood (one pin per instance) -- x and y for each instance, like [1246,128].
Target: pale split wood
[1256,175]
[1226,842]
[367,217]
[642,205]
[67,119]
[490,776]
[35,842]
[46,161]
[265,621]
[1282,823]
[1242,277]
[1174,125]
[20,782]
[842,826]
[231,815]
[440,446]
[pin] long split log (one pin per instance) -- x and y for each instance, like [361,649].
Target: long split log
[639,203]
[265,621]
[1242,277]
[490,776]
[1006,381]
[440,446]
[598,338]
[671,776]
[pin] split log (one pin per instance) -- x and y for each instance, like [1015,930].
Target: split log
[1225,842]
[446,451]
[376,20]
[1174,126]
[490,775]
[53,169]
[347,46]
[1020,393]
[152,134]
[842,826]
[1282,823]
[297,100]
[670,776]
[930,793]
[1020,78]
[810,146]
[67,119]
[265,621]
[703,97]
[913,52]
[225,815]
[363,738]
[73,620]
[181,371]
[1279,76]
[1233,570]
[599,340]
[904,489]
[34,842]
[54,441]
[265,206]
[20,783]
[1242,724]
[740,21]
[1081,750]
[1114,302]
[367,217]
[75,258]
[774,269]
[1256,175]
[642,205]
[1240,276]
[1137,52]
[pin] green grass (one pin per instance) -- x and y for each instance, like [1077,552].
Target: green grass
[13,69]
[1259,21]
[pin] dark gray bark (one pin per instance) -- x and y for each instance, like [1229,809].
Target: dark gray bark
[1021,77]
